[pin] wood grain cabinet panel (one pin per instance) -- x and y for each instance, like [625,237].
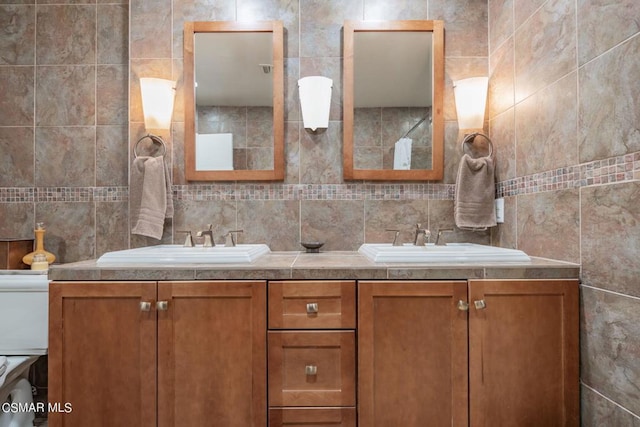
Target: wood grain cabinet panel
[524,353]
[158,354]
[412,354]
[312,368]
[519,368]
[212,354]
[102,354]
[312,304]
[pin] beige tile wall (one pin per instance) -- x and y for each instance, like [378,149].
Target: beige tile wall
[313,203]
[64,123]
[565,108]
[67,123]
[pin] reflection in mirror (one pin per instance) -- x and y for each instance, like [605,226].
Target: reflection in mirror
[393,122]
[234,116]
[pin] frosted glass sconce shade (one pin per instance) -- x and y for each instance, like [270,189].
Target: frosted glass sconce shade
[471,101]
[315,101]
[157,102]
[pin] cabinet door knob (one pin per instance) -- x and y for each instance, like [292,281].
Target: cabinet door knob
[162,305]
[480,304]
[311,370]
[463,305]
[312,308]
[145,306]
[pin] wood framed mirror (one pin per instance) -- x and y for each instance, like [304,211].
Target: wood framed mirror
[393,92]
[234,101]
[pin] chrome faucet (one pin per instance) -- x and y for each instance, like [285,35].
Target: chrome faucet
[396,242]
[208,236]
[188,241]
[439,241]
[422,235]
[229,240]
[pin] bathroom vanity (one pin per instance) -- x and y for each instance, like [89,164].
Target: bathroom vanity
[328,339]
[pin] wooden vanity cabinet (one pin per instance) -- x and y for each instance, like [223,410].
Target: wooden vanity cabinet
[480,353]
[121,356]
[486,353]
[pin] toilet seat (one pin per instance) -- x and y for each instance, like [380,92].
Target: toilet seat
[23,328]
[18,366]
[17,387]
[19,391]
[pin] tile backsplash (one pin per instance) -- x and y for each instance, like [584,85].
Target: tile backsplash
[71,113]
[563,116]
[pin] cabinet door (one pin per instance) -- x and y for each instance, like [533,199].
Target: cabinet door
[212,354]
[412,354]
[102,353]
[523,353]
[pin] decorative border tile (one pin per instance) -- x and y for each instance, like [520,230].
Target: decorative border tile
[64,194]
[17,195]
[614,169]
[111,194]
[313,192]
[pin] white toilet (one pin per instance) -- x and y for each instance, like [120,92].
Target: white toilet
[24,310]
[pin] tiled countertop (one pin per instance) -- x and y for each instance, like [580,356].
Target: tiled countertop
[323,265]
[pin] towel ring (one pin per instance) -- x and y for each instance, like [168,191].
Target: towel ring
[470,137]
[155,139]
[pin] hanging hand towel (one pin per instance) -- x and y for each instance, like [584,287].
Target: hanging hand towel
[474,207]
[151,196]
[402,154]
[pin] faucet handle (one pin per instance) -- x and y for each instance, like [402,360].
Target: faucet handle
[439,236]
[188,241]
[395,237]
[229,239]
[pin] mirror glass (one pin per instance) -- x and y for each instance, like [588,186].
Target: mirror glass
[393,121]
[234,115]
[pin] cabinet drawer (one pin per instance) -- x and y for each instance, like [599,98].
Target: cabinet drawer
[312,368]
[312,305]
[300,417]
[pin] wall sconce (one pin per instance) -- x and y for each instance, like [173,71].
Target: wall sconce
[157,107]
[157,102]
[315,101]
[471,101]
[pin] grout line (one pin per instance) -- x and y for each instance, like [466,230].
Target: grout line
[610,400]
[610,292]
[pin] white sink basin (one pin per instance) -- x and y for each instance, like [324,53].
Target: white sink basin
[450,253]
[178,254]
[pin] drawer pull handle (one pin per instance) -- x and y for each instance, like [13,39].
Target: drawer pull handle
[463,305]
[480,304]
[311,370]
[312,308]
[145,306]
[162,305]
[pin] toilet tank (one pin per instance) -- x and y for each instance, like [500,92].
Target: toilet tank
[24,308]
